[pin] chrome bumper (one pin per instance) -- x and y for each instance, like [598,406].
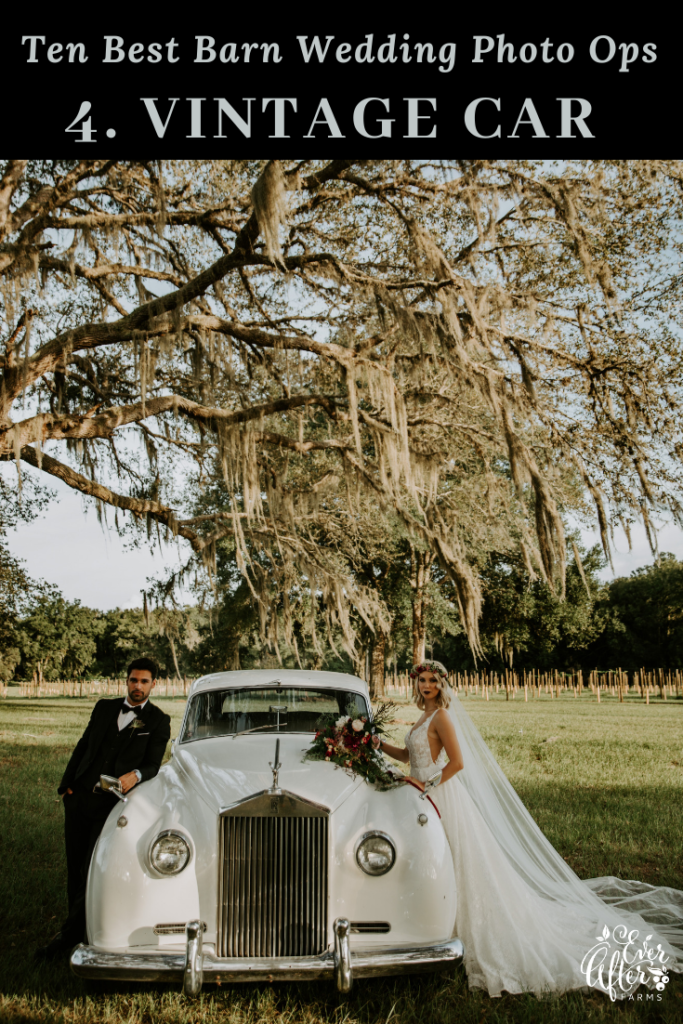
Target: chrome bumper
[90,962]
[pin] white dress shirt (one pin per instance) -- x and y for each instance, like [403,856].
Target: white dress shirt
[126,716]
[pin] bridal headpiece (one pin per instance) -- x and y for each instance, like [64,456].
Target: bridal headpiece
[429,666]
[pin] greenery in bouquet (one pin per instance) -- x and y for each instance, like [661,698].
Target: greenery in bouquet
[346,742]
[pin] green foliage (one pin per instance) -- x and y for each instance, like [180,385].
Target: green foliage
[14,583]
[170,636]
[57,638]
[16,586]
[524,623]
[645,618]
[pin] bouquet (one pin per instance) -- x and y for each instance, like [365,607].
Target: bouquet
[347,743]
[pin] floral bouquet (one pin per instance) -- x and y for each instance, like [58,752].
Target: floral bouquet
[347,743]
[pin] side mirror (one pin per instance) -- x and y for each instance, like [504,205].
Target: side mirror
[110,784]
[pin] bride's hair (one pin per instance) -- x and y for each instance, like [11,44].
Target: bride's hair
[437,669]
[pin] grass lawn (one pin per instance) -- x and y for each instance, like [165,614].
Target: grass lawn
[604,781]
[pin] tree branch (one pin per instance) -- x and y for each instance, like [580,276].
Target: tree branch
[50,427]
[140,507]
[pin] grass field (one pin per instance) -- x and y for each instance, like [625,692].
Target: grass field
[604,781]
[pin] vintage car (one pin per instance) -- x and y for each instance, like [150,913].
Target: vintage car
[242,861]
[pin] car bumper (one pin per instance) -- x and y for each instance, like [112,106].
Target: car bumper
[90,962]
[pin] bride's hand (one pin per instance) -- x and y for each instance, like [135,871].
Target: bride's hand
[415,782]
[376,742]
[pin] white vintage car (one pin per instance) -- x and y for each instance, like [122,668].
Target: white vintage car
[241,861]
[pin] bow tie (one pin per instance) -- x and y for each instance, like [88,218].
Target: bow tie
[125,708]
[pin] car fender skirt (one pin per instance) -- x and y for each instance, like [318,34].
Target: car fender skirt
[150,965]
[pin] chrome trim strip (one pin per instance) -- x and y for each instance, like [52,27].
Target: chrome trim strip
[91,962]
[177,928]
[267,804]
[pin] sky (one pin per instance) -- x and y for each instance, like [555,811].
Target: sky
[89,563]
[92,564]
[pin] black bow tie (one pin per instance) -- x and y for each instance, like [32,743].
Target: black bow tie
[125,708]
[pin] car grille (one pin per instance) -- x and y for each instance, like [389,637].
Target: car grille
[274,886]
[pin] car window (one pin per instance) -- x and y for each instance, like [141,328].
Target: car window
[271,709]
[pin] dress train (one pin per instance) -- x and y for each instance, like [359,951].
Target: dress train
[530,924]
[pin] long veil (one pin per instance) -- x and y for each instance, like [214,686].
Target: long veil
[536,860]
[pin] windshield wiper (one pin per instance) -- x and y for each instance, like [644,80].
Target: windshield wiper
[255,729]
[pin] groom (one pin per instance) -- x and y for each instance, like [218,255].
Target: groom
[125,738]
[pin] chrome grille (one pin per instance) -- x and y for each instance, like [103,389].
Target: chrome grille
[273,886]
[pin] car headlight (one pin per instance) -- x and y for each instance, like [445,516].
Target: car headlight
[376,853]
[170,853]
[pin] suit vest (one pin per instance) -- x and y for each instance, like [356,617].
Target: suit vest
[104,762]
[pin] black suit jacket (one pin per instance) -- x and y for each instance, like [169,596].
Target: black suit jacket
[143,747]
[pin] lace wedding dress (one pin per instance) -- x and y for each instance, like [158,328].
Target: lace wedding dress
[527,921]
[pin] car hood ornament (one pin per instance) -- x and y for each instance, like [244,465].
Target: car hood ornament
[275,767]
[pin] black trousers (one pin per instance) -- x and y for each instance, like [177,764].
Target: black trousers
[84,817]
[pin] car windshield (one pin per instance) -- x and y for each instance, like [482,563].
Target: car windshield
[268,709]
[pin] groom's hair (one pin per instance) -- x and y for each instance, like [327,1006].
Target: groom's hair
[144,665]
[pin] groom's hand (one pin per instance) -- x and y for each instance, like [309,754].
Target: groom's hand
[128,780]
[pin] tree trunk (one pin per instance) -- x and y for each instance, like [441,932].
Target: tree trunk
[420,562]
[175,659]
[360,661]
[234,658]
[377,666]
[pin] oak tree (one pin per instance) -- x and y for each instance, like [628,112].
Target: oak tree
[472,345]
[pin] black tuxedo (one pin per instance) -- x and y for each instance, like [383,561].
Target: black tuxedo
[141,746]
[103,750]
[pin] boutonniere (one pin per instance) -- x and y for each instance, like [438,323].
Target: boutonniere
[137,723]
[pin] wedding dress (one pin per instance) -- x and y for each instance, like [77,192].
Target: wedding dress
[527,921]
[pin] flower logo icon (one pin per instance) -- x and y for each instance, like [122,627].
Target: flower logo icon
[662,978]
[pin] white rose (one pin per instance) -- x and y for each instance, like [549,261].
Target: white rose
[341,722]
[357,725]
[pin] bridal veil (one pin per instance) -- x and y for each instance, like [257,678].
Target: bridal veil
[656,912]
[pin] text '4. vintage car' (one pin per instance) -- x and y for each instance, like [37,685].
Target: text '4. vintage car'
[241,861]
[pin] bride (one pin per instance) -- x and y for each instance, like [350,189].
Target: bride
[527,921]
